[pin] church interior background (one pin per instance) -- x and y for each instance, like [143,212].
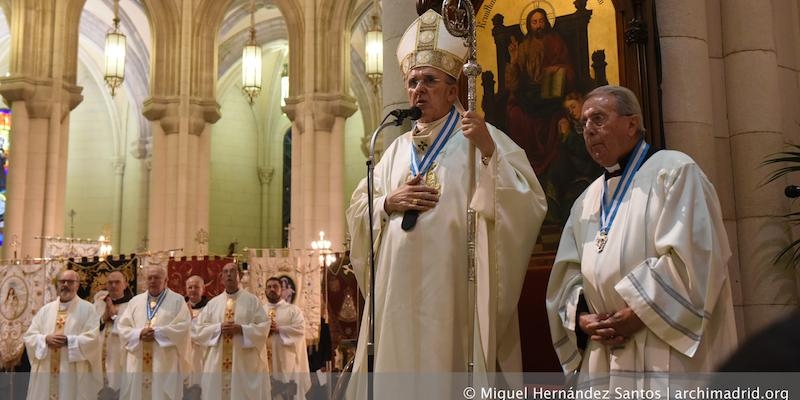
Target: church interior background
[178,161]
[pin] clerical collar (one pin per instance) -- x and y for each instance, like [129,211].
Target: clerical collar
[124,299]
[424,133]
[156,296]
[200,304]
[618,168]
[234,294]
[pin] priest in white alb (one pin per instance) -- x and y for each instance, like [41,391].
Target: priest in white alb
[231,331]
[63,346]
[155,332]
[640,282]
[196,300]
[286,346]
[110,304]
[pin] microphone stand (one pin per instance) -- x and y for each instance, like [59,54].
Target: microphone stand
[370,199]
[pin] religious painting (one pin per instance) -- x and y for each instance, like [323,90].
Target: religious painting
[288,288]
[539,59]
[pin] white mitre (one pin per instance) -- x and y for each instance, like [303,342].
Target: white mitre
[428,43]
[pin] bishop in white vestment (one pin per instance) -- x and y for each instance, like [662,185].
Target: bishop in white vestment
[155,332]
[63,346]
[421,286]
[286,344]
[231,332]
[640,283]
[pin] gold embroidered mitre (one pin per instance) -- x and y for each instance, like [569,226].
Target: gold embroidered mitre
[428,43]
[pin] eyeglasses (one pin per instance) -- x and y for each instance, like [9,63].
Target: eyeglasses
[67,281]
[428,82]
[598,120]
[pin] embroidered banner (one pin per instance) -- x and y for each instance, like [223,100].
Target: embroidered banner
[178,270]
[300,276]
[70,248]
[92,273]
[345,303]
[23,288]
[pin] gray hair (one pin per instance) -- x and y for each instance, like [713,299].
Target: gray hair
[155,269]
[626,102]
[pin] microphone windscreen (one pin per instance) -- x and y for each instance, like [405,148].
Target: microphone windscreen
[414,113]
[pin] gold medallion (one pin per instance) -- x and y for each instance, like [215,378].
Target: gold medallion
[431,179]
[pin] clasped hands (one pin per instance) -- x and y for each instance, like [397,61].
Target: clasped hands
[230,329]
[55,341]
[147,334]
[611,329]
[111,310]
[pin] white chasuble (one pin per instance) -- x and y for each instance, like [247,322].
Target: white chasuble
[287,347]
[78,369]
[241,359]
[666,258]
[421,283]
[113,352]
[169,358]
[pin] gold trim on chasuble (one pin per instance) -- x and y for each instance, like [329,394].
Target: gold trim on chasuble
[55,357]
[227,350]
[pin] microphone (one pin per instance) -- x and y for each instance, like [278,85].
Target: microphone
[413,113]
[792,191]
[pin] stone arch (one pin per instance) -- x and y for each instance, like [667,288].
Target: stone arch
[292,12]
[336,17]
[165,22]
[266,32]
[70,37]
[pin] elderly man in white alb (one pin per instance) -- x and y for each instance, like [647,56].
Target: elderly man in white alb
[155,332]
[231,331]
[640,282]
[286,346]
[196,300]
[421,198]
[110,304]
[64,347]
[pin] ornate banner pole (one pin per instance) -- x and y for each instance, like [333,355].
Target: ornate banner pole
[460,22]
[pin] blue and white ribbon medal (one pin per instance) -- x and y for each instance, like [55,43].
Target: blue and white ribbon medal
[421,167]
[608,210]
[153,306]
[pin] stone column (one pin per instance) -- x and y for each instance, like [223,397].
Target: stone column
[179,184]
[37,182]
[41,92]
[687,105]
[754,119]
[265,176]
[116,225]
[318,163]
